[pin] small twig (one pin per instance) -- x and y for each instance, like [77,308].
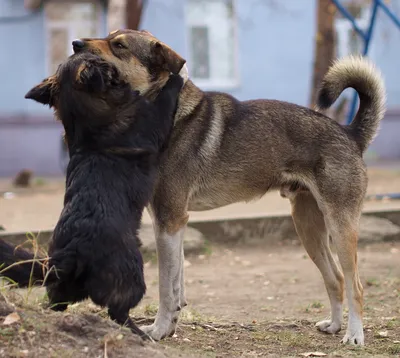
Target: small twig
[218,326]
[105,349]
[21,262]
[144,320]
[52,268]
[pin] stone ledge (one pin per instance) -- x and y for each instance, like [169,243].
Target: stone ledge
[375,227]
[194,240]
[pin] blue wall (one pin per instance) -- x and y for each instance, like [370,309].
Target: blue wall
[275,49]
[275,44]
[29,136]
[275,57]
[385,52]
[22,57]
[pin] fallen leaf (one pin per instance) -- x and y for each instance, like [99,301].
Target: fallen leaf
[314,354]
[8,195]
[11,318]
[383,334]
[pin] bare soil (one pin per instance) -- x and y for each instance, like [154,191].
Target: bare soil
[253,301]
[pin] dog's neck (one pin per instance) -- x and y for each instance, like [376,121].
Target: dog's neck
[116,135]
[189,99]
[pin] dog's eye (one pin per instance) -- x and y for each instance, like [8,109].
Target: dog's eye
[119,45]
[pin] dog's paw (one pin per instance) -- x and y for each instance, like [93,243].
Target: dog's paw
[184,73]
[159,331]
[356,338]
[328,326]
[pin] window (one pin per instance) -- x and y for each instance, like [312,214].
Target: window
[211,30]
[66,21]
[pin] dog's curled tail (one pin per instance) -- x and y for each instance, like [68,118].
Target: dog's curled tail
[361,74]
[20,265]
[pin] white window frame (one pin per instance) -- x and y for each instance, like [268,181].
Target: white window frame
[213,83]
[51,25]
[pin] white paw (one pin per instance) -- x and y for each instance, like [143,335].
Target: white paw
[355,338]
[328,326]
[184,73]
[159,331]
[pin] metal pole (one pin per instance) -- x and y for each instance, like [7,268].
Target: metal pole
[389,13]
[367,40]
[349,17]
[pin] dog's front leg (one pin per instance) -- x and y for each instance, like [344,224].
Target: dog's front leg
[170,267]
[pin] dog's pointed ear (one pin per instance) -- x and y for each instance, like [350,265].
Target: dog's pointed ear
[166,58]
[91,77]
[44,92]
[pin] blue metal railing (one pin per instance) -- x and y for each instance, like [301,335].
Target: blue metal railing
[367,36]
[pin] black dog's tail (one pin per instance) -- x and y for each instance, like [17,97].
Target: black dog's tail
[21,266]
[360,74]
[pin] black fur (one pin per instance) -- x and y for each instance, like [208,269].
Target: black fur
[115,138]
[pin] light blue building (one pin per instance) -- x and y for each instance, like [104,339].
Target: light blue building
[249,48]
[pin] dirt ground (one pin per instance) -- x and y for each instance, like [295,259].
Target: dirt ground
[243,302]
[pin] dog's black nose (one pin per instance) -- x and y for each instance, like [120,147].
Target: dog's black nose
[78,45]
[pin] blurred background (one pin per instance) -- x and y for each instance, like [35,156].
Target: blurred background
[276,49]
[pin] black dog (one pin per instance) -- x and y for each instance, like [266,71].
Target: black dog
[115,138]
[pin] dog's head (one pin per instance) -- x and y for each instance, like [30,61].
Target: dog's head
[85,88]
[143,60]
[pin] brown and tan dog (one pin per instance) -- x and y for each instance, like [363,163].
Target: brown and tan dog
[224,151]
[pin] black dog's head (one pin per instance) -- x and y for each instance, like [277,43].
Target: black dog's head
[85,88]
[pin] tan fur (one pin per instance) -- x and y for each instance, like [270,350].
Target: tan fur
[136,74]
[189,98]
[100,46]
[78,76]
[174,226]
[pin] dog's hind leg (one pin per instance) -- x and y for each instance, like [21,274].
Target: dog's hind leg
[65,293]
[343,227]
[310,226]
[339,192]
